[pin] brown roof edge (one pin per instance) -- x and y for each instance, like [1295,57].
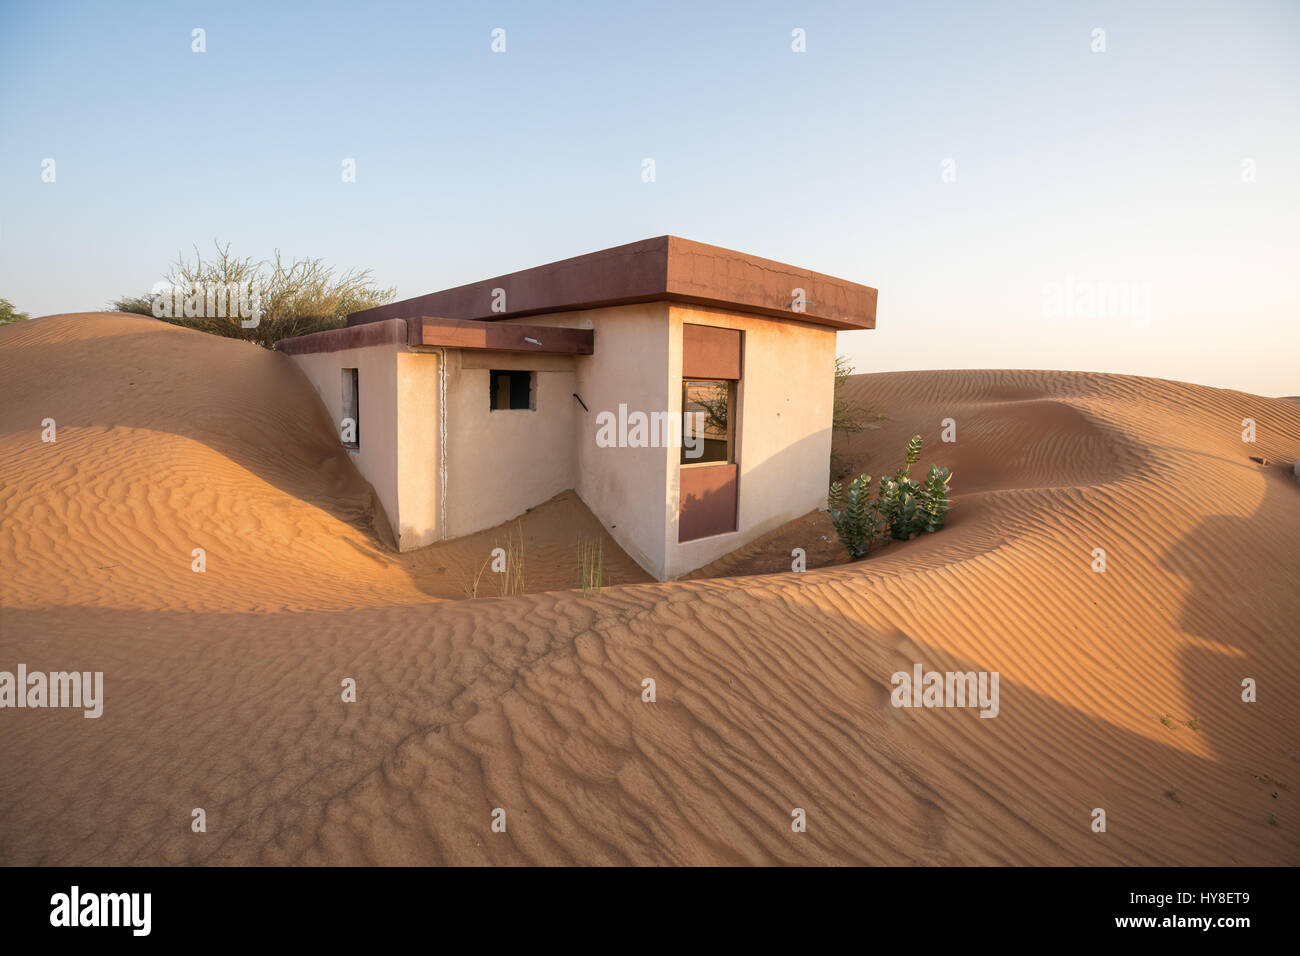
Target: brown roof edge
[663,268]
[388,332]
[444,333]
[715,276]
[501,336]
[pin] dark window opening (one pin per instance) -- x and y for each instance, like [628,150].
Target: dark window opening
[350,427]
[707,426]
[511,390]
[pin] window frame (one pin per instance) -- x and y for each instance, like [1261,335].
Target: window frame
[351,382]
[495,373]
[732,402]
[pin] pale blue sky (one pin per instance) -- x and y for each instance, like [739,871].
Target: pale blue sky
[1120,167]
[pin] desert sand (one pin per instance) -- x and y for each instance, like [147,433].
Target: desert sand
[1119,690]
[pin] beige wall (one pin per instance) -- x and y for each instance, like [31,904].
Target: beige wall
[419,483]
[398,393]
[784,411]
[501,463]
[626,488]
[376,367]
[785,406]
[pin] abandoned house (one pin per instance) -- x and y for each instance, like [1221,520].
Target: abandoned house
[683,391]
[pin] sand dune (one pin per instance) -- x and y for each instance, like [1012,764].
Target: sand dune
[1118,690]
[169,440]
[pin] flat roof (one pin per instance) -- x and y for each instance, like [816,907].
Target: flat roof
[664,268]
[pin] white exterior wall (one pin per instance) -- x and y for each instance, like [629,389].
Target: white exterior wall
[397,428]
[783,436]
[626,488]
[784,410]
[500,463]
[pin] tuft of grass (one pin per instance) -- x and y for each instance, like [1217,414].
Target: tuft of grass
[513,578]
[1272,820]
[1167,720]
[1172,794]
[467,577]
[591,565]
[1194,724]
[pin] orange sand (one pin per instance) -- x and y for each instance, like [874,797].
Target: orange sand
[223,689]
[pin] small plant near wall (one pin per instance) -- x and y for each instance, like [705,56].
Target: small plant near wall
[511,580]
[903,508]
[591,565]
[856,518]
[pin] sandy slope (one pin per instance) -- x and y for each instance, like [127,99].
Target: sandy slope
[773,691]
[169,440]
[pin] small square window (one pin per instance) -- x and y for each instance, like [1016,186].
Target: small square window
[350,427]
[511,390]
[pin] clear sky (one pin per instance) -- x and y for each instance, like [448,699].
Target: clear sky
[978,163]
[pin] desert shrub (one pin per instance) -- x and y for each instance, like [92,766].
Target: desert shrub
[898,506]
[898,496]
[9,314]
[932,503]
[903,507]
[132,303]
[848,415]
[855,516]
[294,297]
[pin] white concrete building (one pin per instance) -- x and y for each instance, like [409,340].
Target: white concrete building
[471,405]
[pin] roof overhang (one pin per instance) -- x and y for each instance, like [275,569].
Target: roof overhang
[390,332]
[512,337]
[427,331]
[664,268]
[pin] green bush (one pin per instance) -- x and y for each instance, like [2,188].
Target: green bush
[898,496]
[903,507]
[9,314]
[139,305]
[933,500]
[294,297]
[855,517]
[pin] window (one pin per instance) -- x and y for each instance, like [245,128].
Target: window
[707,428]
[350,427]
[511,390]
